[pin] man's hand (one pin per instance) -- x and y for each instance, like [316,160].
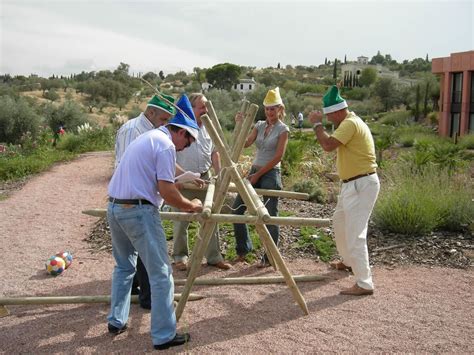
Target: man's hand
[199,183]
[253,179]
[196,205]
[315,117]
[239,117]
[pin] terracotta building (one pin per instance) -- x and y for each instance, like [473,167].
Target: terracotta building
[456,101]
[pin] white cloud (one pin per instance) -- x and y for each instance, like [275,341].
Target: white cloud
[52,45]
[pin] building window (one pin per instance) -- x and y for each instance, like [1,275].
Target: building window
[455,120]
[250,86]
[471,107]
[456,88]
[241,86]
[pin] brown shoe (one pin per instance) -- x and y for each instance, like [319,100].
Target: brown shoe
[339,265]
[356,290]
[180,266]
[263,264]
[222,265]
[240,259]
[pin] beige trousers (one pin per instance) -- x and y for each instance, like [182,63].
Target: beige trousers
[350,220]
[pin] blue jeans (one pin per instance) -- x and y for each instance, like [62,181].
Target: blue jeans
[138,228]
[271,181]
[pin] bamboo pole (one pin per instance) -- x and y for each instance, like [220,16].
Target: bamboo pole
[262,211]
[262,192]
[251,280]
[209,227]
[230,218]
[238,125]
[265,235]
[75,299]
[241,136]
[219,198]
[215,121]
[207,207]
[272,250]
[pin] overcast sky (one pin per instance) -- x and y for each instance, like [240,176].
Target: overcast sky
[68,36]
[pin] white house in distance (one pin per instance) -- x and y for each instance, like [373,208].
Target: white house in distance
[245,85]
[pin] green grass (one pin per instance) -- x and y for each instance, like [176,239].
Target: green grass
[20,165]
[317,241]
[36,157]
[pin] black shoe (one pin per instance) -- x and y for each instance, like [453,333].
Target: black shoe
[145,306]
[179,339]
[116,331]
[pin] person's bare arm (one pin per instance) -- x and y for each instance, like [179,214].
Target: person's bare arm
[327,142]
[173,197]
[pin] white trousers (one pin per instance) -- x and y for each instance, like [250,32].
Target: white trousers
[354,206]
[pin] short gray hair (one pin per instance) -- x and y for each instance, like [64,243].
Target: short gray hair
[195,97]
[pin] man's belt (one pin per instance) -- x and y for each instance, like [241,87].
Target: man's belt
[358,177]
[129,202]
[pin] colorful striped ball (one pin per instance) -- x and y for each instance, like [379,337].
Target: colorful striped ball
[66,256]
[55,265]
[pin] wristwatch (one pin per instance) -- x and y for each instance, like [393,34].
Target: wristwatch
[317,124]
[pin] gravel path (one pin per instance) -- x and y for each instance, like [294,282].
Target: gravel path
[414,309]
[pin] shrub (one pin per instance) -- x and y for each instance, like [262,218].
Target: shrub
[51,95]
[467,141]
[397,118]
[313,187]
[17,117]
[68,115]
[293,156]
[418,203]
[92,140]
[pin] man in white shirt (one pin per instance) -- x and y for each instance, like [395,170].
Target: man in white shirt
[157,113]
[143,179]
[198,158]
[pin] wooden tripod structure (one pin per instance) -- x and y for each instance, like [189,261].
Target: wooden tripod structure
[215,198]
[216,193]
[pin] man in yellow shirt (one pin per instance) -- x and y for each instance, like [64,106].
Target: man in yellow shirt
[356,167]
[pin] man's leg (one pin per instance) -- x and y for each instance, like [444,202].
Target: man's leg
[150,242]
[241,233]
[339,227]
[180,240]
[144,296]
[357,208]
[125,262]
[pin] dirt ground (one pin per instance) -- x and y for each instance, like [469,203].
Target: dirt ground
[414,309]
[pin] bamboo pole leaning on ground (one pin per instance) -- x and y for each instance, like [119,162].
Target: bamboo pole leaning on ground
[10,301]
[75,299]
[272,250]
[259,280]
[209,227]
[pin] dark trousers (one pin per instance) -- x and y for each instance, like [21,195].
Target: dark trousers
[141,280]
